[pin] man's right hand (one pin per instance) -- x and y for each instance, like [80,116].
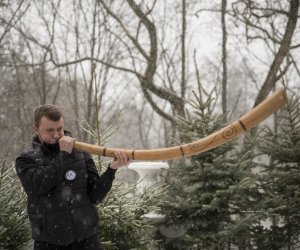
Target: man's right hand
[66,144]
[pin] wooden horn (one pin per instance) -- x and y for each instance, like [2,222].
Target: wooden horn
[247,121]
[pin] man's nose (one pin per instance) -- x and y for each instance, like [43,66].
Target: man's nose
[56,135]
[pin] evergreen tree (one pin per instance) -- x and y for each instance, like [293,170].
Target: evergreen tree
[199,198]
[246,194]
[281,181]
[122,222]
[14,228]
[122,215]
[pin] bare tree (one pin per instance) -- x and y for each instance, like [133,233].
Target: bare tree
[137,47]
[11,15]
[147,76]
[259,20]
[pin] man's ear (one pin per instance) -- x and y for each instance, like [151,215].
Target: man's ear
[35,129]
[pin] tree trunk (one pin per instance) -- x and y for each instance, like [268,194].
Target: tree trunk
[282,52]
[224,61]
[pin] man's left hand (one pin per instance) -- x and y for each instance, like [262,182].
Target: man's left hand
[121,160]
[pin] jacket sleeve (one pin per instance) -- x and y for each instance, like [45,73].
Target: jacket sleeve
[98,186]
[40,180]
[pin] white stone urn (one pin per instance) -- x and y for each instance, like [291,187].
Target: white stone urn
[149,173]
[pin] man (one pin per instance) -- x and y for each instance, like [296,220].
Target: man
[62,186]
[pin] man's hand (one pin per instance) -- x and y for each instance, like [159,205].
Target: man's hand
[120,160]
[66,144]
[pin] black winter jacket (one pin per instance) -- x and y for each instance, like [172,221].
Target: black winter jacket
[62,189]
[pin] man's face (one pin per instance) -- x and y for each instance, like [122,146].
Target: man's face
[50,131]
